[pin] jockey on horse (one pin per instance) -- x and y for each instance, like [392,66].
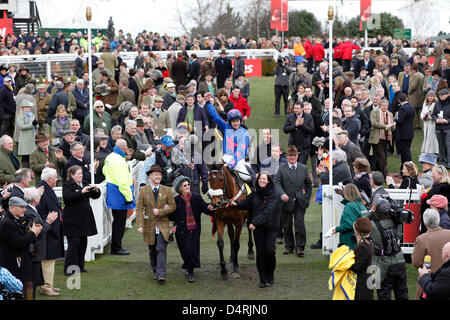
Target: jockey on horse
[236,142]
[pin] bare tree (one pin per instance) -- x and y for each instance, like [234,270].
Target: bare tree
[197,13]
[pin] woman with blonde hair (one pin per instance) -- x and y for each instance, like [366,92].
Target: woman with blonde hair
[410,180]
[60,124]
[430,143]
[441,185]
[354,209]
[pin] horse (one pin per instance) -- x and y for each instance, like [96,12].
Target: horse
[225,189]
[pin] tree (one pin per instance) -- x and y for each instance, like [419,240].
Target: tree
[388,23]
[258,13]
[198,13]
[303,23]
[228,23]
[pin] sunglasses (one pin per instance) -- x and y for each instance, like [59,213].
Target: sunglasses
[186,185]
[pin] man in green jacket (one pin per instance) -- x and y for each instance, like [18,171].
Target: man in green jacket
[46,156]
[101,119]
[8,160]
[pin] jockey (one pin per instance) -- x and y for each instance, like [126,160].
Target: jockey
[236,142]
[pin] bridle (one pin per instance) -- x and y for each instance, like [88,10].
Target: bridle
[224,201]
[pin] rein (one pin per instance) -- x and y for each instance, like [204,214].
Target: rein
[224,201]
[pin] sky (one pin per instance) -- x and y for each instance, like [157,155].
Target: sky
[161,15]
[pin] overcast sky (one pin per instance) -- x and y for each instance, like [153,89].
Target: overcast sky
[161,15]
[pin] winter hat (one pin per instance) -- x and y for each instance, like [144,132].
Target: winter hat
[179,181]
[438,201]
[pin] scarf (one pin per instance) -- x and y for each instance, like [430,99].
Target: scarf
[190,220]
[14,160]
[30,117]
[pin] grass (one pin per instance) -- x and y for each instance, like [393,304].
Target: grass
[130,277]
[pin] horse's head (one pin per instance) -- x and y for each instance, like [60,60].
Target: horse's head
[217,183]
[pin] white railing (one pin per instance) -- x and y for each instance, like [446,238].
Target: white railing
[103,216]
[329,220]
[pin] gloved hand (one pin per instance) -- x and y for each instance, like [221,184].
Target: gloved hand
[205,188]
[35,123]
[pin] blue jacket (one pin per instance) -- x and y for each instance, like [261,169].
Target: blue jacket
[405,122]
[235,142]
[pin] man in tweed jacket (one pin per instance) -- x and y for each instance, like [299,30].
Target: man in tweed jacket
[155,203]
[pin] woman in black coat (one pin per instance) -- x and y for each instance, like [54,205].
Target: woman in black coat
[264,207]
[363,258]
[188,224]
[409,181]
[78,218]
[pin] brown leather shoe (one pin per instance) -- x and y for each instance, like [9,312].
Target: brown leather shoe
[48,293]
[288,251]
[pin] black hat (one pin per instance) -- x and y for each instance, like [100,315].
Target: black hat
[3,67]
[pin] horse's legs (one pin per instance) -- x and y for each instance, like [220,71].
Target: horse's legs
[220,244]
[236,246]
[230,230]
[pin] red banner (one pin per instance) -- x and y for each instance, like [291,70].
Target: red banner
[6,27]
[253,67]
[365,13]
[279,17]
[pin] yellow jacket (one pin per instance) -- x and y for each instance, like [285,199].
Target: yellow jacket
[342,280]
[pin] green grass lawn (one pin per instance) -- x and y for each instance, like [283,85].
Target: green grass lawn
[130,277]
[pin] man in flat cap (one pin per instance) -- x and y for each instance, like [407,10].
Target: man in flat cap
[15,240]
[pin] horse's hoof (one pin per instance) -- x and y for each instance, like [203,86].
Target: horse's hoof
[235,275]
[251,256]
[224,276]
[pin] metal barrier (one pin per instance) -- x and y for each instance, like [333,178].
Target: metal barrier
[330,244]
[103,215]
[45,65]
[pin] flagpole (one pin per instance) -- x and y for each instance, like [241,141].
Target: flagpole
[91,111]
[330,79]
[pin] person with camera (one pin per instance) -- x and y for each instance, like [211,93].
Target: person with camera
[15,242]
[388,256]
[22,180]
[282,74]
[170,160]
[9,285]
[34,214]
[78,218]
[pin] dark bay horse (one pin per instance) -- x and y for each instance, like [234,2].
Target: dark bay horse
[224,190]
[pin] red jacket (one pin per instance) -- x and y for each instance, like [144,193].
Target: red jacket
[241,104]
[308,49]
[318,52]
[347,50]
[338,51]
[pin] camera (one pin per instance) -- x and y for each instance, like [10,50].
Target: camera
[398,213]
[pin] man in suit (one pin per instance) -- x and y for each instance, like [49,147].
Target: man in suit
[367,62]
[179,71]
[162,119]
[383,124]
[404,78]
[192,113]
[376,182]
[415,96]
[223,68]
[155,203]
[404,123]
[300,127]
[194,68]
[293,183]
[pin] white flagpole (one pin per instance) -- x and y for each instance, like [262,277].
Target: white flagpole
[91,111]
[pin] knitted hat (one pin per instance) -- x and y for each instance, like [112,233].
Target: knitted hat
[179,181]
[438,201]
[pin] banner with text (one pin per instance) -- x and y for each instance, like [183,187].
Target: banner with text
[279,17]
[253,67]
